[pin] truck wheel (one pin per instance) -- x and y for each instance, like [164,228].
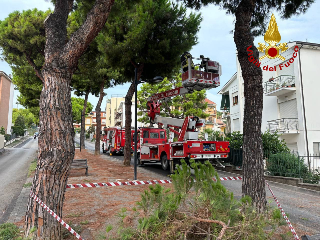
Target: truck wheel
[164,162]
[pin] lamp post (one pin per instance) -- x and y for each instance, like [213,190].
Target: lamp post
[156,79]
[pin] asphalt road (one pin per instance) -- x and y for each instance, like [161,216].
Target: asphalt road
[301,206]
[14,165]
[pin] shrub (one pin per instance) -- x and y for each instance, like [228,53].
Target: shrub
[9,231]
[287,165]
[235,139]
[2,131]
[197,208]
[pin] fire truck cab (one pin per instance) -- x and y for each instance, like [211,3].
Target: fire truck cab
[153,145]
[113,140]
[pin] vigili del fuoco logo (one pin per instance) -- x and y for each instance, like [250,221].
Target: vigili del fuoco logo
[272,37]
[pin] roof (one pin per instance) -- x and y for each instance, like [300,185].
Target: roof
[5,75]
[224,88]
[209,101]
[219,121]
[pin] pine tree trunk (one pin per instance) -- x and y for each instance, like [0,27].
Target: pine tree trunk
[56,138]
[128,114]
[83,119]
[55,154]
[253,183]
[98,118]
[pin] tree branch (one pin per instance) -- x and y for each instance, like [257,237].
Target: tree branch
[35,68]
[224,226]
[56,29]
[80,40]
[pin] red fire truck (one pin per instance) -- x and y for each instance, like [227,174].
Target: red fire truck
[113,140]
[153,144]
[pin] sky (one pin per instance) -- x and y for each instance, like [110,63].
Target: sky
[214,39]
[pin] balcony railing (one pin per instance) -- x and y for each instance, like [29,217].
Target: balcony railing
[284,125]
[279,85]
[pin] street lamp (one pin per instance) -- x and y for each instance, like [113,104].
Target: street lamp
[156,79]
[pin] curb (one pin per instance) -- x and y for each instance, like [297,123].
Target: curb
[295,188]
[18,143]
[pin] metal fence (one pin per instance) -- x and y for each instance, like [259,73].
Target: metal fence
[283,81]
[287,164]
[283,125]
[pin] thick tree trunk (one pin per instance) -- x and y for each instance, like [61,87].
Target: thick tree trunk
[56,144]
[98,118]
[83,119]
[55,154]
[128,114]
[253,183]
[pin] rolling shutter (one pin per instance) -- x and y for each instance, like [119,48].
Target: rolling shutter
[236,124]
[289,109]
[293,147]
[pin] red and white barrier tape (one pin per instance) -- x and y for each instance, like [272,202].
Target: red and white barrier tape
[113,184]
[63,223]
[284,215]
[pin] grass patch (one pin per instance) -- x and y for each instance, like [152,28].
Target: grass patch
[84,222]
[26,185]
[32,167]
[9,231]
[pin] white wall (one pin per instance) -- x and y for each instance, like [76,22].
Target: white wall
[311,86]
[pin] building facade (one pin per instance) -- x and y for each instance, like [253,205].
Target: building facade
[91,119]
[289,100]
[112,108]
[6,101]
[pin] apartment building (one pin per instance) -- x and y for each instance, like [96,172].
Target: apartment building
[112,108]
[120,115]
[91,119]
[6,101]
[289,100]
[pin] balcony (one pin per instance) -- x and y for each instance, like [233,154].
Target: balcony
[284,126]
[280,85]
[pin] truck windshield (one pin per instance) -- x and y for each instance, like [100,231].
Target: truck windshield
[162,135]
[154,135]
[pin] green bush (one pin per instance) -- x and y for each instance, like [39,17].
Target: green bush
[87,135]
[7,137]
[272,144]
[287,165]
[9,231]
[2,131]
[77,130]
[186,211]
[18,130]
[235,139]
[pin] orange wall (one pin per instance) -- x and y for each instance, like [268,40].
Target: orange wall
[5,85]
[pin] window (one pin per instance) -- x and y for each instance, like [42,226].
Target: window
[316,148]
[235,100]
[87,121]
[154,135]
[145,134]
[162,135]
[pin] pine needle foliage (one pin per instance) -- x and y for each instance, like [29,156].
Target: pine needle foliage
[198,207]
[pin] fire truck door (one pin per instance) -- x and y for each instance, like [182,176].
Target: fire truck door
[113,138]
